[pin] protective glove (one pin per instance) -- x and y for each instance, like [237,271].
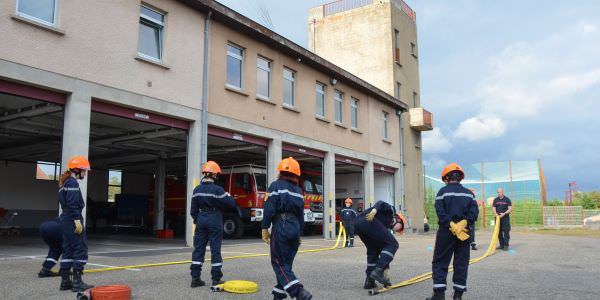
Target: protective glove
[460,230]
[371,215]
[266,236]
[78,227]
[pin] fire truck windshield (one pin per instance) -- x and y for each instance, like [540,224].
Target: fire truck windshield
[261,182]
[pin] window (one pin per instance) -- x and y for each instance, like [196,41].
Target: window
[413,49]
[396,46]
[354,113]
[151,34]
[43,11]
[47,171]
[398,90]
[263,77]
[235,58]
[339,99]
[415,100]
[114,184]
[289,86]
[384,128]
[320,89]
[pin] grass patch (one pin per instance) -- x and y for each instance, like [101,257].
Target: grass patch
[580,232]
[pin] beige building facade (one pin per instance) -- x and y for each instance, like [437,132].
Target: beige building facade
[125,86]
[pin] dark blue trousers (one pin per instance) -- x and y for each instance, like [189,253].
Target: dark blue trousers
[52,236]
[75,249]
[446,246]
[349,232]
[285,241]
[209,228]
[504,233]
[380,242]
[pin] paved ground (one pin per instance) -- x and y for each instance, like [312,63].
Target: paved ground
[538,267]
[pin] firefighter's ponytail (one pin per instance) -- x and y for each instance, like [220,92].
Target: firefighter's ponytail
[63,177]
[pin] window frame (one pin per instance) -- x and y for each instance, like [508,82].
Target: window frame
[323,94]
[293,81]
[55,165]
[157,25]
[269,71]
[109,185]
[415,99]
[338,100]
[397,46]
[241,59]
[354,105]
[398,90]
[384,128]
[38,20]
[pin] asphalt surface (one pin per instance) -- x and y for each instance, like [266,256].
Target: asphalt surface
[537,267]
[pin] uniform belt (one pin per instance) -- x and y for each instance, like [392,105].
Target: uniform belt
[285,217]
[208,209]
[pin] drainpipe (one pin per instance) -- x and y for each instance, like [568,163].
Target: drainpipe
[399,113]
[204,127]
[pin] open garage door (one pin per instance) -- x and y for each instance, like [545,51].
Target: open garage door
[384,184]
[349,183]
[243,161]
[138,181]
[31,126]
[311,182]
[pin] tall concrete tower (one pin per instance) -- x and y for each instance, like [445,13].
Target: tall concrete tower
[377,41]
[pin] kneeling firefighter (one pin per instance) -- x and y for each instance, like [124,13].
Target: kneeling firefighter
[373,227]
[53,237]
[456,211]
[348,219]
[284,209]
[208,201]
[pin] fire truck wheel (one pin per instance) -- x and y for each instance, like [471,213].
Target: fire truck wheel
[233,227]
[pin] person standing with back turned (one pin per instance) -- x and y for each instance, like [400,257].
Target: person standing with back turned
[284,209]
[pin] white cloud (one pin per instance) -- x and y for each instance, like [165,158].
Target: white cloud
[435,162]
[589,28]
[435,142]
[481,127]
[535,150]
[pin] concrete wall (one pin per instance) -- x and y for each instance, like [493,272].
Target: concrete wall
[100,43]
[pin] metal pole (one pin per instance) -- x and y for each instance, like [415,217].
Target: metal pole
[204,127]
[483,190]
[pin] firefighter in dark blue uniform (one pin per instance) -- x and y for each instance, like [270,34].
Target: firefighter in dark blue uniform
[208,201]
[502,207]
[284,210]
[75,250]
[456,211]
[348,219]
[51,233]
[373,227]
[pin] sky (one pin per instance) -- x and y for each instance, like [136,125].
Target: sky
[505,80]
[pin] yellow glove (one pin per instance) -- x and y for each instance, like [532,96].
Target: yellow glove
[371,215]
[78,227]
[266,236]
[460,230]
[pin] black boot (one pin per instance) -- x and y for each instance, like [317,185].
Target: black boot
[457,295]
[196,282]
[351,243]
[217,282]
[369,283]
[78,284]
[47,273]
[474,247]
[379,276]
[303,294]
[438,295]
[65,282]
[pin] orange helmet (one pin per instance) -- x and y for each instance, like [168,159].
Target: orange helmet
[78,162]
[399,218]
[289,165]
[211,167]
[348,201]
[453,167]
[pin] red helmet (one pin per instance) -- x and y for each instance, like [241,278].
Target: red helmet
[211,167]
[78,162]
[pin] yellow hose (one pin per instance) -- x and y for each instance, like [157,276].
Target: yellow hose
[426,276]
[334,247]
[236,287]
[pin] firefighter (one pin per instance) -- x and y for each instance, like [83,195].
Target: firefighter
[75,249]
[284,210]
[348,219]
[208,202]
[52,235]
[373,227]
[456,211]
[502,207]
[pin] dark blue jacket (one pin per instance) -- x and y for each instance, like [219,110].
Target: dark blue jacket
[70,199]
[454,202]
[210,195]
[348,215]
[284,197]
[385,213]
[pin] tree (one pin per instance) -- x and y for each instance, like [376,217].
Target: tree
[555,202]
[589,200]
